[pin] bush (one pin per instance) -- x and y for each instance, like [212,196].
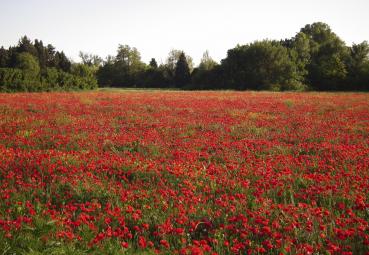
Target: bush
[14,79]
[28,64]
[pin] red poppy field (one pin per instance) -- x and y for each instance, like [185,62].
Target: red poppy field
[147,172]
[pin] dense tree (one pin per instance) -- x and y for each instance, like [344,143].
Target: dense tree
[125,69]
[208,79]
[129,57]
[26,45]
[34,67]
[173,57]
[90,59]
[207,63]
[206,75]
[63,62]
[129,65]
[50,56]
[107,75]
[314,59]
[12,56]
[327,69]
[261,65]
[153,64]
[4,57]
[182,75]
[86,72]
[358,67]
[28,64]
[41,54]
[299,50]
[153,76]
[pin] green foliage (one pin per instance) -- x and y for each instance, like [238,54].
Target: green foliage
[153,78]
[314,59]
[47,56]
[52,79]
[123,70]
[300,54]
[209,75]
[107,75]
[153,64]
[34,67]
[358,66]
[69,81]
[28,64]
[182,75]
[4,57]
[129,59]
[41,54]
[327,69]
[63,62]
[26,45]
[83,70]
[173,58]
[261,65]
[207,63]
[90,59]
[10,79]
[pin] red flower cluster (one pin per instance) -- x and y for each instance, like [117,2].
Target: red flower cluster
[185,172]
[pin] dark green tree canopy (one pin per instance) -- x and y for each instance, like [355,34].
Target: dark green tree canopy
[358,66]
[4,57]
[122,70]
[28,63]
[182,75]
[26,45]
[327,69]
[30,66]
[261,65]
[153,64]
[315,58]
[47,56]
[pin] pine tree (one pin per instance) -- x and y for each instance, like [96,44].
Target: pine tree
[64,62]
[4,57]
[182,75]
[153,64]
[26,45]
[41,53]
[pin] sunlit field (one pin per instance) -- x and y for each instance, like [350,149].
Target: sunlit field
[172,172]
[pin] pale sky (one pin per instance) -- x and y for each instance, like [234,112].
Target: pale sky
[155,27]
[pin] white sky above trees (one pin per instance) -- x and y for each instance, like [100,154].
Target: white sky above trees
[156,26]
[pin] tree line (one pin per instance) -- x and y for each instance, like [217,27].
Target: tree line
[31,66]
[314,59]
